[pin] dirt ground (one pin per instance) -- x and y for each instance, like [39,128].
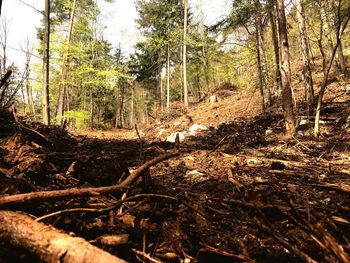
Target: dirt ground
[236,192]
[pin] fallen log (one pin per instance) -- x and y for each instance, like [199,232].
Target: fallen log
[48,243]
[10,200]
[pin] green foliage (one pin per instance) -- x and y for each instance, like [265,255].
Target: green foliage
[78,119]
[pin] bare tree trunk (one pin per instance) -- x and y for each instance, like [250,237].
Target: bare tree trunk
[327,34]
[276,48]
[261,57]
[184,54]
[342,61]
[168,78]
[161,90]
[63,86]
[91,110]
[3,42]
[332,8]
[340,31]
[27,82]
[50,245]
[122,108]
[46,65]
[307,74]
[131,119]
[287,101]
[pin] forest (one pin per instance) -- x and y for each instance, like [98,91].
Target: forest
[221,141]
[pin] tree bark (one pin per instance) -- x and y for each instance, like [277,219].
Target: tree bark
[261,57]
[49,244]
[327,34]
[276,48]
[184,54]
[168,78]
[332,7]
[131,117]
[307,74]
[340,31]
[28,87]
[287,101]
[46,65]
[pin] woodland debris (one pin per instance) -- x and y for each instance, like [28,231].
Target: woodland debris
[83,192]
[49,244]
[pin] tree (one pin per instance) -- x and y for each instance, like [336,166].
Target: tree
[184,54]
[287,101]
[272,17]
[46,65]
[63,87]
[305,52]
[343,20]
[160,24]
[28,86]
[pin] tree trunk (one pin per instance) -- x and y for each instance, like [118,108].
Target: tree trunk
[342,61]
[307,74]
[287,101]
[276,48]
[261,57]
[29,91]
[184,55]
[168,78]
[161,89]
[63,86]
[131,117]
[48,243]
[327,34]
[340,31]
[333,14]
[91,110]
[46,65]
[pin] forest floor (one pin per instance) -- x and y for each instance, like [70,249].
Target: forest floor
[236,193]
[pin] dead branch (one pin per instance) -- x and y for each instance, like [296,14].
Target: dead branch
[48,243]
[145,256]
[83,192]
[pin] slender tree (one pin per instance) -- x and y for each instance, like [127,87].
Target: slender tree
[28,86]
[341,26]
[305,52]
[261,57]
[184,54]
[168,78]
[287,101]
[46,65]
[272,17]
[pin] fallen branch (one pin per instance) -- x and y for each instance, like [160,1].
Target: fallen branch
[48,243]
[82,192]
[339,187]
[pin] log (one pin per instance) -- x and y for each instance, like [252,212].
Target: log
[48,243]
[19,199]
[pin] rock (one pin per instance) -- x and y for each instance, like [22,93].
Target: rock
[213,99]
[195,128]
[172,137]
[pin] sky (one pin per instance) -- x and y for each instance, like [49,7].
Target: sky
[24,16]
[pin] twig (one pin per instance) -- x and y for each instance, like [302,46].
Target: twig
[145,255]
[216,146]
[141,143]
